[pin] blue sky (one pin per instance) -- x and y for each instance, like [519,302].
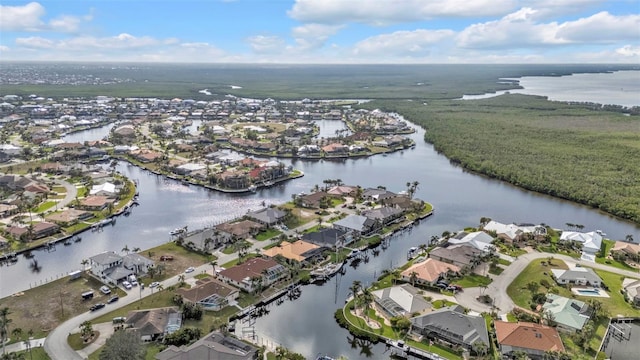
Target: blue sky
[323,31]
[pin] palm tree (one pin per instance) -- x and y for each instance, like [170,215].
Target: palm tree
[84,264]
[136,249]
[366,299]
[181,279]
[413,277]
[86,329]
[4,325]
[434,239]
[628,238]
[214,264]
[355,288]
[126,249]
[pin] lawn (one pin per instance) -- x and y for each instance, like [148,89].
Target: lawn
[438,304]
[615,304]
[267,234]
[234,262]
[473,280]
[537,272]
[504,262]
[439,349]
[37,353]
[609,261]
[45,206]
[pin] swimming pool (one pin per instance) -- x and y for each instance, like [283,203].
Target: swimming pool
[590,292]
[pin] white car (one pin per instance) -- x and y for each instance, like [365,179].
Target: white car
[154,284]
[134,282]
[105,290]
[190,269]
[127,285]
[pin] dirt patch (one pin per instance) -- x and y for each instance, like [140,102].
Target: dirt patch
[370,323]
[306,214]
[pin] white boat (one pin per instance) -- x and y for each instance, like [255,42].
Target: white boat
[177,231]
[353,253]
[253,188]
[327,270]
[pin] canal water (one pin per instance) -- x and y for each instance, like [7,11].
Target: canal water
[306,325]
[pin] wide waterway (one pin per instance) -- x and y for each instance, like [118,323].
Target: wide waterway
[306,325]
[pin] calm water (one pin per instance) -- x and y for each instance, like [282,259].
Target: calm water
[618,88]
[460,199]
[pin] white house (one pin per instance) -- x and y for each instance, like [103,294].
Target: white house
[106,189]
[478,239]
[590,241]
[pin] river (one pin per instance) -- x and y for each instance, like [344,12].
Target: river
[306,325]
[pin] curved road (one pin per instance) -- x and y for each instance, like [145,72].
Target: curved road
[498,288]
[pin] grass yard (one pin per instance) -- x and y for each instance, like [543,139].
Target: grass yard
[615,304]
[45,206]
[537,272]
[234,262]
[267,234]
[37,353]
[473,280]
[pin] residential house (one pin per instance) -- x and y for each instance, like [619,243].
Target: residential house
[69,217]
[105,189]
[234,179]
[300,251]
[153,324]
[207,239]
[213,346]
[377,195]
[429,271]
[452,325]
[252,273]
[591,242]
[631,287]
[478,239]
[326,237]
[355,226]
[401,300]
[95,202]
[515,232]
[212,294]
[568,314]
[112,268]
[188,168]
[146,155]
[267,216]
[464,255]
[533,339]
[313,200]
[240,229]
[342,190]
[39,230]
[577,276]
[383,215]
[626,250]
[7,210]
[335,149]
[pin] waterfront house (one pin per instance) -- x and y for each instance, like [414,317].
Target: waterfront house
[267,216]
[153,324]
[206,239]
[335,149]
[401,300]
[430,271]
[533,339]
[234,179]
[211,293]
[342,190]
[213,346]
[313,200]
[39,230]
[146,155]
[7,210]
[253,273]
[515,232]
[591,242]
[577,276]
[383,215]
[240,229]
[355,226]
[568,314]
[377,195]
[326,237]
[69,217]
[452,325]
[105,189]
[95,202]
[626,250]
[462,255]
[300,251]
[112,268]
[478,239]
[189,168]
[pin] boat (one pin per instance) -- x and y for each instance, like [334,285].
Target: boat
[326,271]
[353,253]
[67,242]
[324,357]
[253,188]
[77,238]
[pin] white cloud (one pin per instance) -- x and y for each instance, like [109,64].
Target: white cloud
[4,48]
[380,12]
[520,30]
[312,36]
[21,18]
[404,43]
[601,27]
[629,51]
[35,42]
[28,18]
[266,44]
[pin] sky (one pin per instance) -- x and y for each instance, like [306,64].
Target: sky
[322,31]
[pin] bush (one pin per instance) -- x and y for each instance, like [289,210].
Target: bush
[359,333]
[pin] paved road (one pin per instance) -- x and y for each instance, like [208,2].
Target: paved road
[72,192]
[56,342]
[498,288]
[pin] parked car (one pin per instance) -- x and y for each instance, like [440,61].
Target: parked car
[190,269]
[166,258]
[441,285]
[154,284]
[97,306]
[105,290]
[133,282]
[127,285]
[87,295]
[113,299]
